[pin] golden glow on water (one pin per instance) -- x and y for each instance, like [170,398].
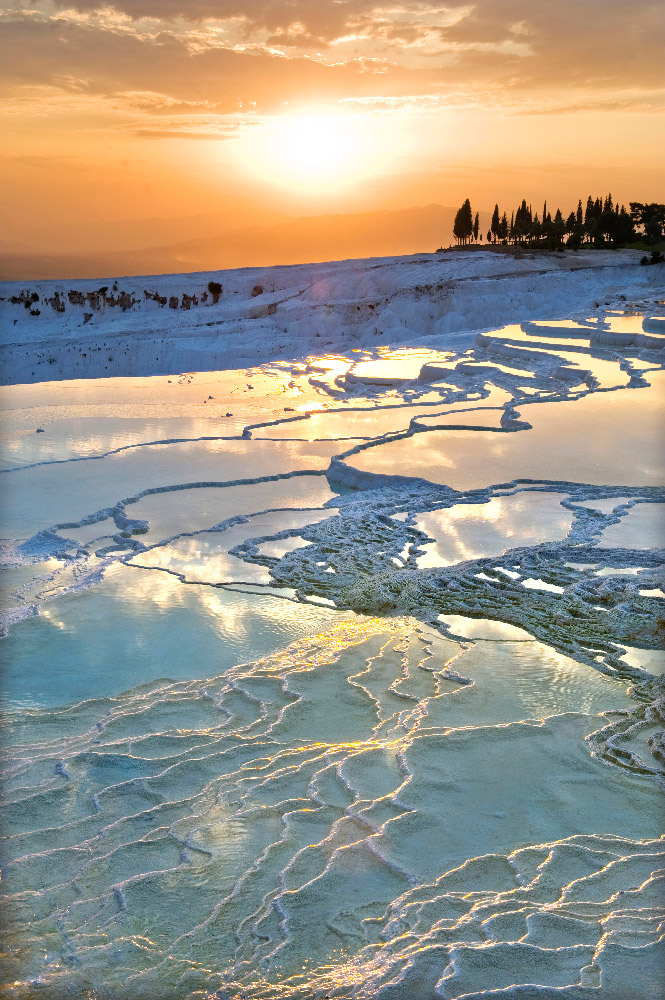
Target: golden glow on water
[310,407]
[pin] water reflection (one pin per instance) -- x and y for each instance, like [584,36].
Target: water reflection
[642,527]
[139,625]
[570,441]
[474,531]
[176,836]
[75,490]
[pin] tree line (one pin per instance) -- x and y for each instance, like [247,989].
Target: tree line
[600,223]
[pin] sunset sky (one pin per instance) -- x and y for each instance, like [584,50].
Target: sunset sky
[234,113]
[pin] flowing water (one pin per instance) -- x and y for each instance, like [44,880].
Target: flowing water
[340,678]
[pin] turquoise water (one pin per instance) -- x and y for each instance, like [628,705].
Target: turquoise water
[285,715]
[138,626]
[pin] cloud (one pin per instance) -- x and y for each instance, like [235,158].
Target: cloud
[319,20]
[226,56]
[39,162]
[593,31]
[642,101]
[152,103]
[600,42]
[197,126]
[158,133]
[89,59]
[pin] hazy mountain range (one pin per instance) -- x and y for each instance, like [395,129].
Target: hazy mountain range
[295,241]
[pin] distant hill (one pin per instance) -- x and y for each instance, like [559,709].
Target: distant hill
[303,240]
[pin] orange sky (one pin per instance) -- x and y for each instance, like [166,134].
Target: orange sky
[233,113]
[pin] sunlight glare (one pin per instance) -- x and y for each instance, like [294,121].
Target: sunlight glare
[311,153]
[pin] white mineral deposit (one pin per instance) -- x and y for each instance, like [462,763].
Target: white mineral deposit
[332,634]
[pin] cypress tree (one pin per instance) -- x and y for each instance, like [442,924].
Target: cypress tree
[495,222]
[558,227]
[535,230]
[463,228]
[589,219]
[523,220]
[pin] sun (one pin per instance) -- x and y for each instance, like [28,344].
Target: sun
[310,153]
[314,147]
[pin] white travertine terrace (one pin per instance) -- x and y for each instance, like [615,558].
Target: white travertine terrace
[325,680]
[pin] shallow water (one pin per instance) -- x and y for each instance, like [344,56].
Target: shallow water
[580,443]
[137,626]
[277,726]
[488,529]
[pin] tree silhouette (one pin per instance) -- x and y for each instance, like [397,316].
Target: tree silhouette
[536,228]
[523,221]
[463,228]
[495,222]
[589,218]
[599,223]
[619,226]
[558,228]
[650,216]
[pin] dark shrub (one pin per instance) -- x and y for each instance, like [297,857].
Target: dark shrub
[215,290]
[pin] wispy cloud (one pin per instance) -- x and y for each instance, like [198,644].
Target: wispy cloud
[264,52]
[158,133]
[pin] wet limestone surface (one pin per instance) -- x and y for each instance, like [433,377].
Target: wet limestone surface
[276,728]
